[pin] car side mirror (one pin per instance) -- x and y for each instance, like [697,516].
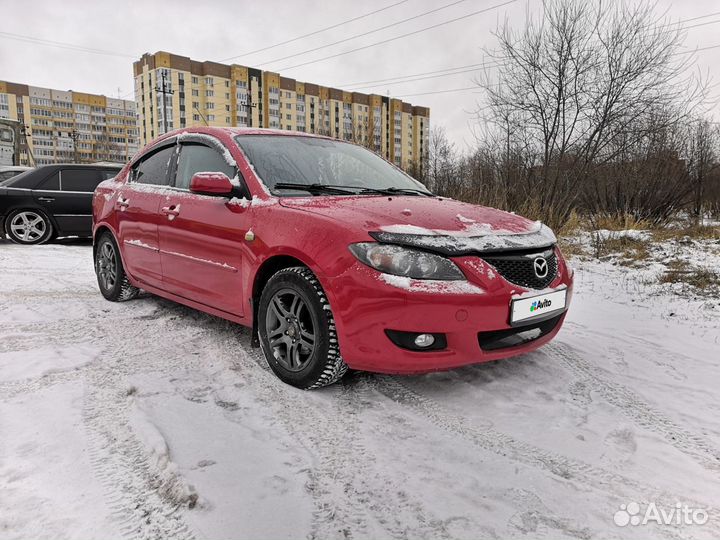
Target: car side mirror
[211,183]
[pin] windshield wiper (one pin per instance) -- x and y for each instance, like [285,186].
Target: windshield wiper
[397,191]
[314,188]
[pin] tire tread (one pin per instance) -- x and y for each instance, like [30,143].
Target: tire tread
[335,367]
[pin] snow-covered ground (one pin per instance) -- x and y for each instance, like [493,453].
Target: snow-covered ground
[150,420]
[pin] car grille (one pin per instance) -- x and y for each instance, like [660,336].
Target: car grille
[519,268]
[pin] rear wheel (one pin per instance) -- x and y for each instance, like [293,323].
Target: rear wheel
[112,280]
[28,227]
[297,330]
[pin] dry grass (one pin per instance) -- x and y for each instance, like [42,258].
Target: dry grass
[701,279]
[692,231]
[619,222]
[630,251]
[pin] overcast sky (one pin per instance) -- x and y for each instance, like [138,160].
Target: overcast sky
[216,30]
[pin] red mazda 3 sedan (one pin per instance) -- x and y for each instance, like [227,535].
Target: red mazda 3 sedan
[334,257]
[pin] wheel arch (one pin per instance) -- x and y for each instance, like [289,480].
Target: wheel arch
[99,230]
[265,271]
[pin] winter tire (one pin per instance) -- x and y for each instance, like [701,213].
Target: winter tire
[297,330]
[112,280]
[28,227]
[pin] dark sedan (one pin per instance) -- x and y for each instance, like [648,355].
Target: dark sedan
[51,201]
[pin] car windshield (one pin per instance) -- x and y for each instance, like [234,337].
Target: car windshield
[296,165]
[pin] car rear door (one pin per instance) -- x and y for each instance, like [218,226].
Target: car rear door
[73,209]
[136,208]
[202,242]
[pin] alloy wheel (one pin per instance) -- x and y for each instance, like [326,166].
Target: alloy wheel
[28,226]
[290,330]
[107,265]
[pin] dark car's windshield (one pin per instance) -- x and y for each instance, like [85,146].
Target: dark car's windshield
[286,163]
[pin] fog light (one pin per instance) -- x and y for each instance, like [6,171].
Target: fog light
[424,340]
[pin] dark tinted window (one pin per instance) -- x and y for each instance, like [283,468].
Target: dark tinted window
[195,158]
[7,175]
[50,184]
[153,168]
[80,179]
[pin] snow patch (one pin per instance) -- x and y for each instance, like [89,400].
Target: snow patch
[139,243]
[478,237]
[464,219]
[255,201]
[431,285]
[469,228]
[42,361]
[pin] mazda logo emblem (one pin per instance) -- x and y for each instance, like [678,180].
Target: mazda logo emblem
[541,267]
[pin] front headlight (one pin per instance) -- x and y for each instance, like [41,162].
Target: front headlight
[401,261]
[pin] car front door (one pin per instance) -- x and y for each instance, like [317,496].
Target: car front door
[137,203]
[202,237]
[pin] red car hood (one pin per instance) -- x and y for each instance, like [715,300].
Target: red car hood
[414,215]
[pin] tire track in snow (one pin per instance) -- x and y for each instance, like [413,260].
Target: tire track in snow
[146,500]
[352,500]
[636,408]
[504,445]
[345,487]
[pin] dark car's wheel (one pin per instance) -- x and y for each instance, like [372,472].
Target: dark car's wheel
[28,227]
[112,280]
[297,330]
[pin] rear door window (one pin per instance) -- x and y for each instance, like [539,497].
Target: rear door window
[153,169]
[82,180]
[51,183]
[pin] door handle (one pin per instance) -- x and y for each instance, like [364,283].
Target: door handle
[122,203]
[171,211]
[46,199]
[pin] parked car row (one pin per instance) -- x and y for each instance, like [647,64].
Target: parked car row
[39,204]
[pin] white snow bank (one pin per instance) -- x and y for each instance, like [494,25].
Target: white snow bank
[172,485]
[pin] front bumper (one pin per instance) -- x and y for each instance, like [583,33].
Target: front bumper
[473,315]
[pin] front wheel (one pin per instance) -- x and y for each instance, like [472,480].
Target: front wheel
[28,227]
[112,280]
[297,330]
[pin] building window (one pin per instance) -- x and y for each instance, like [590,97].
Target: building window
[209,81]
[195,80]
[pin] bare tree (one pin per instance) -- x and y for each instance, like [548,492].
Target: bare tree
[579,86]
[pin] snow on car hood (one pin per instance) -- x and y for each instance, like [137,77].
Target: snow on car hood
[437,224]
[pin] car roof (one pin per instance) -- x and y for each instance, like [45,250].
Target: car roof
[55,166]
[30,178]
[232,131]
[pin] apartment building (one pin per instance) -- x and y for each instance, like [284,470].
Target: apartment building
[174,91]
[65,126]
